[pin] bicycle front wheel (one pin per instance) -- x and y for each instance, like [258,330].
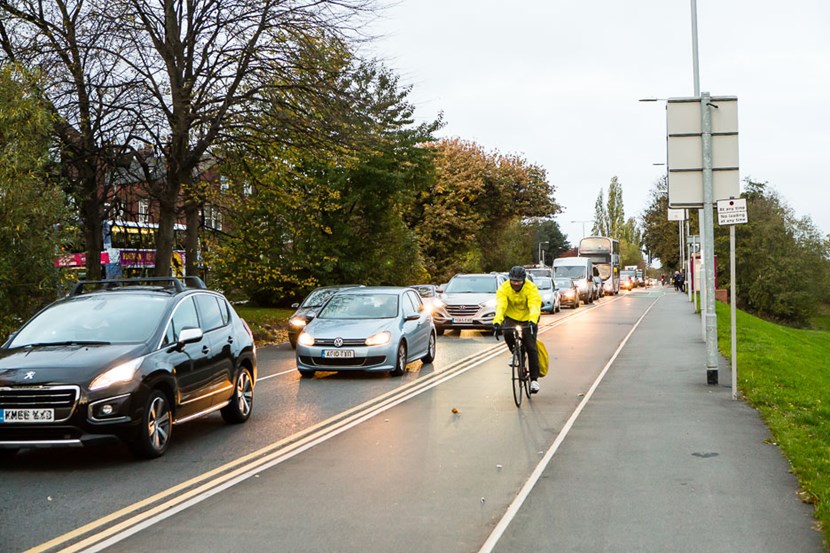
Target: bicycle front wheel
[518,382]
[525,372]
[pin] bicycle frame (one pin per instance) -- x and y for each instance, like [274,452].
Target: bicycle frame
[520,374]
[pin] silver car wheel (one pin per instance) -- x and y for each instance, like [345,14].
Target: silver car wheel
[400,360]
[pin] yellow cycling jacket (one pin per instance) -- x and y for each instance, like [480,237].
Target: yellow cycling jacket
[524,305]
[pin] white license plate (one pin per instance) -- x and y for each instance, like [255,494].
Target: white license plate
[338,353]
[27,415]
[462,320]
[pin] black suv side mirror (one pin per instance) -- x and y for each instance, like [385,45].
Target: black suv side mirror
[190,335]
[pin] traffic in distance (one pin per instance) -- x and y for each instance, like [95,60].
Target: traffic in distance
[126,360]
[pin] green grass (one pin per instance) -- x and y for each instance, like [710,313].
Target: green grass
[783,373]
[822,320]
[267,323]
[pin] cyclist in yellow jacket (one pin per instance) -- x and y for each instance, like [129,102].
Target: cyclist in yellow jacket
[518,301]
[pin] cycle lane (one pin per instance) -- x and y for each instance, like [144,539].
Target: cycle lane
[660,461]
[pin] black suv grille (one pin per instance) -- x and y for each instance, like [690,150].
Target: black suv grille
[60,398]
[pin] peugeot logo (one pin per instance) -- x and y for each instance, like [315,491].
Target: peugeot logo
[29,375]
[338,342]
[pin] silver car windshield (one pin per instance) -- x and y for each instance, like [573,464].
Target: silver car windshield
[564,283]
[361,306]
[110,318]
[319,297]
[472,284]
[543,283]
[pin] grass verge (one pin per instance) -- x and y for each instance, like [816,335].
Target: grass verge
[267,323]
[782,372]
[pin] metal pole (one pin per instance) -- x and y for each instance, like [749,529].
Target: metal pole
[708,229]
[686,264]
[732,309]
[693,294]
[695,61]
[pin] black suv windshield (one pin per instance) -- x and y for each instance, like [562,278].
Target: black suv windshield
[100,318]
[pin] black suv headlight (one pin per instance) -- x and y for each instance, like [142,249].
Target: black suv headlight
[119,374]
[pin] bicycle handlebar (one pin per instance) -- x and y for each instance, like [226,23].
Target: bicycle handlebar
[520,324]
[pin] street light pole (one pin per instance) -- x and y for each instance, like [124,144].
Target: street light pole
[583,225]
[709,251]
[541,256]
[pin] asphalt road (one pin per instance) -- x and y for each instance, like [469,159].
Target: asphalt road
[437,460]
[340,462]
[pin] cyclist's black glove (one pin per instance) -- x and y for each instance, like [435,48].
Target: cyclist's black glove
[533,328]
[496,330]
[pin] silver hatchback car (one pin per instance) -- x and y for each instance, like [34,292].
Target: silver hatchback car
[373,328]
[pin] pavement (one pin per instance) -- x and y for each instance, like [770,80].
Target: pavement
[661,461]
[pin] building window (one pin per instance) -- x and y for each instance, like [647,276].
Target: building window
[143,211]
[212,217]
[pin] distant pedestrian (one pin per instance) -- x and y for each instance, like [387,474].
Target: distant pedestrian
[676,280]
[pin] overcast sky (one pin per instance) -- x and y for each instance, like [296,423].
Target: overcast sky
[559,82]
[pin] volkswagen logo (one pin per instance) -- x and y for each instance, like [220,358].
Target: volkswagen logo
[338,342]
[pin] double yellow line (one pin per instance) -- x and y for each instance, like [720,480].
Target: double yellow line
[116,526]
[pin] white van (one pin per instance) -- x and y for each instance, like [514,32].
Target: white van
[581,271]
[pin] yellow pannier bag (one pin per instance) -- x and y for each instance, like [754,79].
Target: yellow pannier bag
[543,358]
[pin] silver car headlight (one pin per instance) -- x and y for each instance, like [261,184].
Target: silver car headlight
[119,374]
[379,339]
[298,322]
[305,339]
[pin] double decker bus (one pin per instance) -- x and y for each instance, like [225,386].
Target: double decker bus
[605,254]
[128,251]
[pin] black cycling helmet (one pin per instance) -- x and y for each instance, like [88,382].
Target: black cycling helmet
[517,273]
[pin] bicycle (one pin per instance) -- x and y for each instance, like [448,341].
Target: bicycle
[520,373]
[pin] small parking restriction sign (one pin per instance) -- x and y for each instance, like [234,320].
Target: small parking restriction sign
[732,211]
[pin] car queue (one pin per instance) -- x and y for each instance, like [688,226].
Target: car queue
[126,360]
[376,328]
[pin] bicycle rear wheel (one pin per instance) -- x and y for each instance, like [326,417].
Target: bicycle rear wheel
[518,383]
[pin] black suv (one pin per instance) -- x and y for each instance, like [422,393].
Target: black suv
[125,360]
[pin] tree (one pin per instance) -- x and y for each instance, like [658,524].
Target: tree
[475,217]
[549,235]
[32,207]
[601,225]
[616,211]
[609,220]
[313,213]
[82,80]
[776,254]
[202,63]
[661,236]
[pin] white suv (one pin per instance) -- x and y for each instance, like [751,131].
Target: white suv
[468,301]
